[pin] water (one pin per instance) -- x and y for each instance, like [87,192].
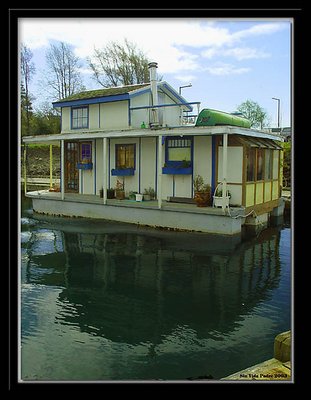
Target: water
[104,301]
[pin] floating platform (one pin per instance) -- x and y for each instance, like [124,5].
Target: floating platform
[275,369]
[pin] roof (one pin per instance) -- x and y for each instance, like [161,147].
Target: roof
[177,131]
[111,91]
[118,93]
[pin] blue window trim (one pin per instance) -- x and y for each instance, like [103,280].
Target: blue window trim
[116,150]
[177,163]
[88,117]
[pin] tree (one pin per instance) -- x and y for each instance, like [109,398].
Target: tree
[46,120]
[27,72]
[63,71]
[118,64]
[254,113]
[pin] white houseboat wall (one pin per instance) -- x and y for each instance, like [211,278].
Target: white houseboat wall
[139,137]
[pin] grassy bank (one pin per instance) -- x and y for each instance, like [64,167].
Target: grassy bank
[38,160]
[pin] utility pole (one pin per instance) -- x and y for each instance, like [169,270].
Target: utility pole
[279,101]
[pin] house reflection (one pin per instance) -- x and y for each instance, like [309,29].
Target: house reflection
[135,288]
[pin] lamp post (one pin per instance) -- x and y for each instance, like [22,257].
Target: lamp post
[180,87]
[279,101]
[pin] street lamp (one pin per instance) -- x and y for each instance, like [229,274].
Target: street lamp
[279,101]
[180,87]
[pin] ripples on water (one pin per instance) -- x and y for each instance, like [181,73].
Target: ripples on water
[105,302]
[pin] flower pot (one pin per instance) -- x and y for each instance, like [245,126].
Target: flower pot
[120,194]
[219,201]
[202,199]
[147,197]
[139,197]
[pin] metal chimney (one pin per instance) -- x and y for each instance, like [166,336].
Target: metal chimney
[154,92]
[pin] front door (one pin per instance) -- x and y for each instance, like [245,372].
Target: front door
[71,170]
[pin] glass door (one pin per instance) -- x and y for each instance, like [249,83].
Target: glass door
[71,170]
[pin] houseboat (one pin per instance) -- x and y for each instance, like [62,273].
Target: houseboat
[118,143]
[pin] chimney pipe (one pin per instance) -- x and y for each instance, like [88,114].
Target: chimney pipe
[154,92]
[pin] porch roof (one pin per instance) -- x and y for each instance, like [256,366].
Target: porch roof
[168,131]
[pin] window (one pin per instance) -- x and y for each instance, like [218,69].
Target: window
[250,164]
[259,164]
[86,151]
[125,156]
[268,164]
[79,117]
[178,150]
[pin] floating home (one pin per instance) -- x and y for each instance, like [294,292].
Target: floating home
[148,139]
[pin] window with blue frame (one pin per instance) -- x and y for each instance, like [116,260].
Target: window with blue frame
[85,151]
[178,151]
[125,156]
[79,117]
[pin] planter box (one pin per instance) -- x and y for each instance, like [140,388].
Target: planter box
[120,194]
[177,171]
[139,197]
[123,172]
[84,165]
[219,201]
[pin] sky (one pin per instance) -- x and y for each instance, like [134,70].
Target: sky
[226,61]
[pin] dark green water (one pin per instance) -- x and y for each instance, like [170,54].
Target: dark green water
[105,301]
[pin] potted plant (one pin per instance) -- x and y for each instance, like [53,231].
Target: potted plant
[110,193]
[120,193]
[149,194]
[202,192]
[132,195]
[139,197]
[219,201]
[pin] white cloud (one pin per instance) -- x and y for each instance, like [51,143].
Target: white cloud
[185,78]
[239,53]
[226,69]
[171,42]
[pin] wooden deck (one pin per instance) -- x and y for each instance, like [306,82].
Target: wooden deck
[275,369]
[150,204]
[270,370]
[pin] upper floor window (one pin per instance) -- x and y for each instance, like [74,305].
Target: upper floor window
[178,150]
[79,117]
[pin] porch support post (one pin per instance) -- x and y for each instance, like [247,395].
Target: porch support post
[25,168]
[105,170]
[62,168]
[51,166]
[159,191]
[224,167]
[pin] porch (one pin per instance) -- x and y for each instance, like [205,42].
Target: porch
[176,216]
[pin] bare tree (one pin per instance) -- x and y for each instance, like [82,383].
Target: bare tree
[63,70]
[119,64]
[27,72]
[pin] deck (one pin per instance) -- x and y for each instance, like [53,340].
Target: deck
[150,204]
[177,216]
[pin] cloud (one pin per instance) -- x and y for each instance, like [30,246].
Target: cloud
[174,43]
[226,69]
[239,53]
[185,78]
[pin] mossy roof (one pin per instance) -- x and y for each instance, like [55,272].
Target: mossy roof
[112,91]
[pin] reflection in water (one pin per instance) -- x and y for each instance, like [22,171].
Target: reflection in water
[150,297]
